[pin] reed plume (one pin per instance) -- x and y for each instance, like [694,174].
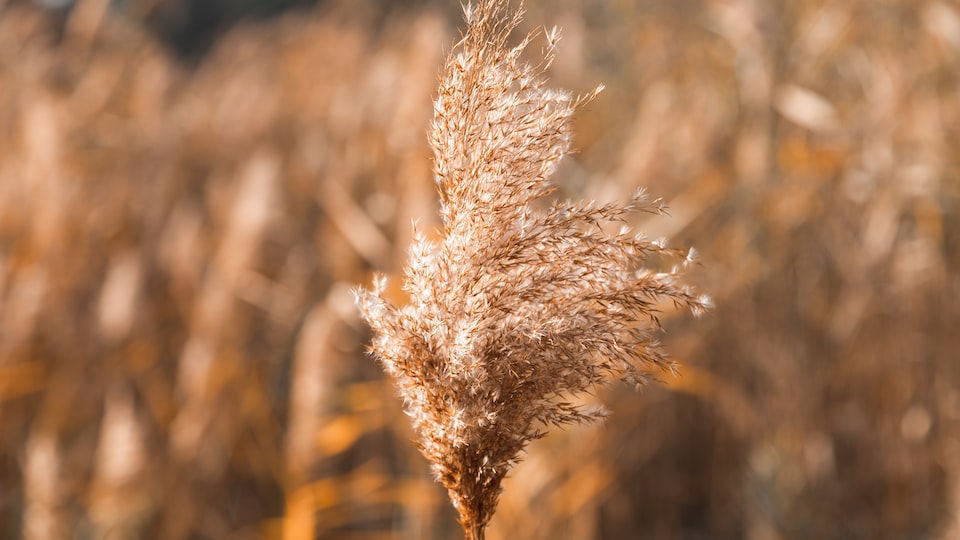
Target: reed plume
[521,305]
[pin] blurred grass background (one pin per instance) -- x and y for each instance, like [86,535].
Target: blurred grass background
[189,190]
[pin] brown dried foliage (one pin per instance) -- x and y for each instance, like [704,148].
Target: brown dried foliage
[517,309]
[807,148]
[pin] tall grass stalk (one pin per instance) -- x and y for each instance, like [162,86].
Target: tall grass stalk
[521,305]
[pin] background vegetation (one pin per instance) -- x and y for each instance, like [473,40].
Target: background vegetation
[185,205]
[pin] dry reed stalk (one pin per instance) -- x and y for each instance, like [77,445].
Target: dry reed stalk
[519,308]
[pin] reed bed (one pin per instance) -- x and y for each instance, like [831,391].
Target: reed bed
[180,356]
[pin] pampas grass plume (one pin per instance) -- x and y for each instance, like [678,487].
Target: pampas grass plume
[520,306]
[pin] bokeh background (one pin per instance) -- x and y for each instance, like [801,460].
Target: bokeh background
[190,189]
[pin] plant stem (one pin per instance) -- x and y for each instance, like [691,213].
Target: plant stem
[474,532]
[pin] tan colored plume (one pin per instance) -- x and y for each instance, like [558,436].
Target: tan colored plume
[520,306]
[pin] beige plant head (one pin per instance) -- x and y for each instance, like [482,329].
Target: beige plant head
[520,306]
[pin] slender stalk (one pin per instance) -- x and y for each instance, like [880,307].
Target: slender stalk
[475,532]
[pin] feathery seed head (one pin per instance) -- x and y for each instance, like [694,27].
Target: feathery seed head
[517,310]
